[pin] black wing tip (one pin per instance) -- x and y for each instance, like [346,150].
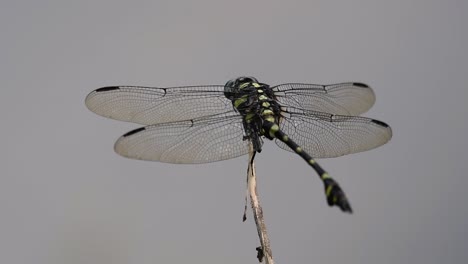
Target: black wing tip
[380,123]
[107,88]
[133,132]
[359,84]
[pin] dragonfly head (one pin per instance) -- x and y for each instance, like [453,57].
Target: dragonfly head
[235,85]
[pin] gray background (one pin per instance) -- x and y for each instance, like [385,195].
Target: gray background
[66,197]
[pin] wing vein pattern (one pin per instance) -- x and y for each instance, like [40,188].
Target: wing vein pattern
[198,124]
[338,99]
[325,135]
[201,140]
[152,105]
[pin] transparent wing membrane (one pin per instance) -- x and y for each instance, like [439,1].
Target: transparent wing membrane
[151,105]
[194,141]
[324,135]
[201,124]
[197,124]
[339,99]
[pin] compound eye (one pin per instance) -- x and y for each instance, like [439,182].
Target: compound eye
[230,83]
[246,80]
[251,79]
[241,80]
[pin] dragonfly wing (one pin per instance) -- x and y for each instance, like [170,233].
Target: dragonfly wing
[324,135]
[151,105]
[339,99]
[193,141]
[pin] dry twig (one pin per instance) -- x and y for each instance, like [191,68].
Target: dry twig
[264,251]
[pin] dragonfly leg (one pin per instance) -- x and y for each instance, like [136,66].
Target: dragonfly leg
[335,195]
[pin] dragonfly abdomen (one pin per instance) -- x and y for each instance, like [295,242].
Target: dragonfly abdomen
[334,193]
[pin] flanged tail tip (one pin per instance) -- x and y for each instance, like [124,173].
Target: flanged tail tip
[336,196]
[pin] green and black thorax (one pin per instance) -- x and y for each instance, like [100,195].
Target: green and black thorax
[257,104]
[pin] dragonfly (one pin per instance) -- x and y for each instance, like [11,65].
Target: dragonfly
[208,123]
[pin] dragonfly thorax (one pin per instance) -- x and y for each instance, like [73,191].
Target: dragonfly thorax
[256,103]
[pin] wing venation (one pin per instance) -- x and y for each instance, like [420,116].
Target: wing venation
[152,105]
[339,99]
[193,141]
[324,135]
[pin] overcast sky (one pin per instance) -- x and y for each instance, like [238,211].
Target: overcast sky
[66,197]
